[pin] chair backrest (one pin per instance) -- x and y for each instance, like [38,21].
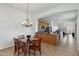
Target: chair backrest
[36,36]
[21,36]
[37,41]
[17,43]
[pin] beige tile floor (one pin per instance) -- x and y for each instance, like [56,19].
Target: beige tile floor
[67,47]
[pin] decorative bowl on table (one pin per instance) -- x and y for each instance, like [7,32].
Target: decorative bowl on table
[28,37]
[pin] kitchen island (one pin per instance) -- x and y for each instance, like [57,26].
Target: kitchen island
[49,38]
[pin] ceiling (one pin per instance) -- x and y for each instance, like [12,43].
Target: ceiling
[61,17]
[37,8]
[34,8]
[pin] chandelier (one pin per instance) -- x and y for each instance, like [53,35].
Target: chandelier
[27,23]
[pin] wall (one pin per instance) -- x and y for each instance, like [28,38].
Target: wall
[10,25]
[70,27]
[34,28]
[77,22]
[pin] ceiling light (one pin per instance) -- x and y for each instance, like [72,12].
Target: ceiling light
[27,23]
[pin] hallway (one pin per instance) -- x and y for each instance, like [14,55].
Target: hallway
[68,42]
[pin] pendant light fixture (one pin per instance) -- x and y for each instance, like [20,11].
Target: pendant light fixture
[27,23]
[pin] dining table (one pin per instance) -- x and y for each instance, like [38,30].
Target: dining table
[27,43]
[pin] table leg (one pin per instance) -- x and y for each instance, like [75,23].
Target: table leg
[25,50]
[29,49]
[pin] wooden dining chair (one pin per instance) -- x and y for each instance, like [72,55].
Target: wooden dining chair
[20,47]
[35,46]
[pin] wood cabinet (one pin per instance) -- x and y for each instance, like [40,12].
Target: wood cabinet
[42,24]
[50,39]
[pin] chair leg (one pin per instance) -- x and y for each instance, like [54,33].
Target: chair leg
[29,51]
[40,52]
[34,53]
[15,50]
[25,51]
[18,52]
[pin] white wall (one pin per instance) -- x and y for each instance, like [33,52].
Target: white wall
[34,28]
[70,27]
[10,25]
[78,30]
[67,26]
